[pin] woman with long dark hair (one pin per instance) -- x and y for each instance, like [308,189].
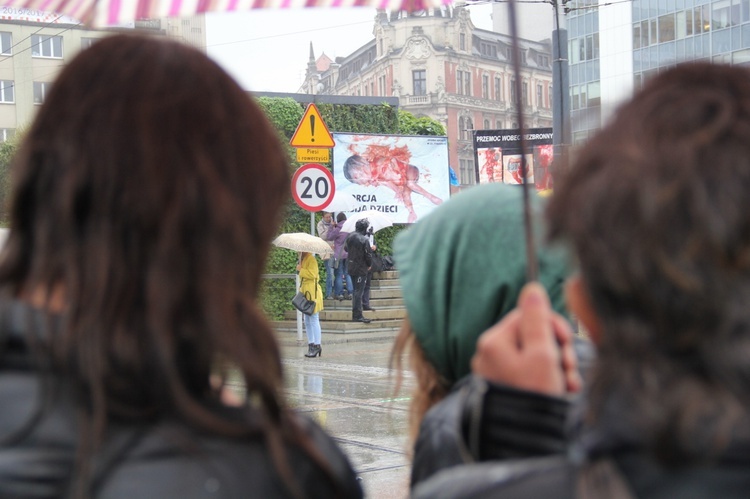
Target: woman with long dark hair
[145,197]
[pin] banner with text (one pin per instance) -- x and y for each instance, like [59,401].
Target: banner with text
[405,177]
[497,156]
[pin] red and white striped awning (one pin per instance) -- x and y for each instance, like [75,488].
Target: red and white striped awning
[116,12]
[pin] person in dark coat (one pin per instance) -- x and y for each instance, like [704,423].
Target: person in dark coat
[656,208]
[357,246]
[129,289]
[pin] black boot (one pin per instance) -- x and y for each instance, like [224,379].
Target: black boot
[311,351]
[318,350]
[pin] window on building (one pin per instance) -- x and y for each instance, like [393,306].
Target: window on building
[666,28]
[7,93]
[513,95]
[7,134]
[381,84]
[525,93]
[550,95]
[41,88]
[574,98]
[594,95]
[467,82]
[372,88]
[87,42]
[487,124]
[463,82]
[6,45]
[540,95]
[488,50]
[498,88]
[462,41]
[465,128]
[543,61]
[636,35]
[720,15]
[46,46]
[466,173]
[498,124]
[485,87]
[419,80]
[469,128]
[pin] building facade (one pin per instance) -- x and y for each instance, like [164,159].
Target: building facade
[440,65]
[34,49]
[615,47]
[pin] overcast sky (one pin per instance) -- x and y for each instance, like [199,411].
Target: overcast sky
[267,50]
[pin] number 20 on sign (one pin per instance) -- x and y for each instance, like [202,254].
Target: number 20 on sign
[313,187]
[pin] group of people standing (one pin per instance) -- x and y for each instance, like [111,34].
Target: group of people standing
[350,262]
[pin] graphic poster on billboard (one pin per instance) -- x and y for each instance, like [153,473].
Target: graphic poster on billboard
[404,177]
[497,155]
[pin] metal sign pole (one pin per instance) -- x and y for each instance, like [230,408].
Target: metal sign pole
[299,314]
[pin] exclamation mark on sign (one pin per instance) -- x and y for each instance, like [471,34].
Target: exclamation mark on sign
[312,128]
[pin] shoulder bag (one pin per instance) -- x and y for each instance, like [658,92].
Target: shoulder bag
[303,303]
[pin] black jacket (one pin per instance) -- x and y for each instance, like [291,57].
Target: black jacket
[360,254]
[611,455]
[481,421]
[562,477]
[165,459]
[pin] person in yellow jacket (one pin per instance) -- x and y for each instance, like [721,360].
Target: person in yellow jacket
[309,276]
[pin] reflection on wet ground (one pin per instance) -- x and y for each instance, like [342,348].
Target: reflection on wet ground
[350,393]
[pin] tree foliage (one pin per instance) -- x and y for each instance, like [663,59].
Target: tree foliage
[408,124]
[7,152]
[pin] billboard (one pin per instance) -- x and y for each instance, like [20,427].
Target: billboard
[497,156]
[405,177]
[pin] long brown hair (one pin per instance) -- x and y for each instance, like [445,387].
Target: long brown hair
[147,192]
[430,386]
[657,208]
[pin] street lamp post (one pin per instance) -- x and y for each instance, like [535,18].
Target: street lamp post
[561,133]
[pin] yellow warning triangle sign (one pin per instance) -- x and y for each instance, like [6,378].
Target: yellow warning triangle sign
[311,131]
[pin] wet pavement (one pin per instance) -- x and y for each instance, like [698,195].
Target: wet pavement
[349,391]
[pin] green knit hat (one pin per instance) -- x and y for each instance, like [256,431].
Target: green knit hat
[462,268]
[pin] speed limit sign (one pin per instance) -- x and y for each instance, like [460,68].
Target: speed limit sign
[313,187]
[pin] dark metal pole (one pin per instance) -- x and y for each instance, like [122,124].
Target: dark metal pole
[561,133]
[532,266]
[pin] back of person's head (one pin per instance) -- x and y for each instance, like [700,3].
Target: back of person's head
[362,225]
[146,194]
[341,217]
[461,270]
[657,208]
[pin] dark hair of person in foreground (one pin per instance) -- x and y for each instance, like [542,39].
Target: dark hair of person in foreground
[146,195]
[658,211]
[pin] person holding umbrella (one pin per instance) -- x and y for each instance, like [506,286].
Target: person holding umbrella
[309,275]
[663,250]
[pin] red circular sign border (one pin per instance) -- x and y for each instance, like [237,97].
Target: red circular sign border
[302,169]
